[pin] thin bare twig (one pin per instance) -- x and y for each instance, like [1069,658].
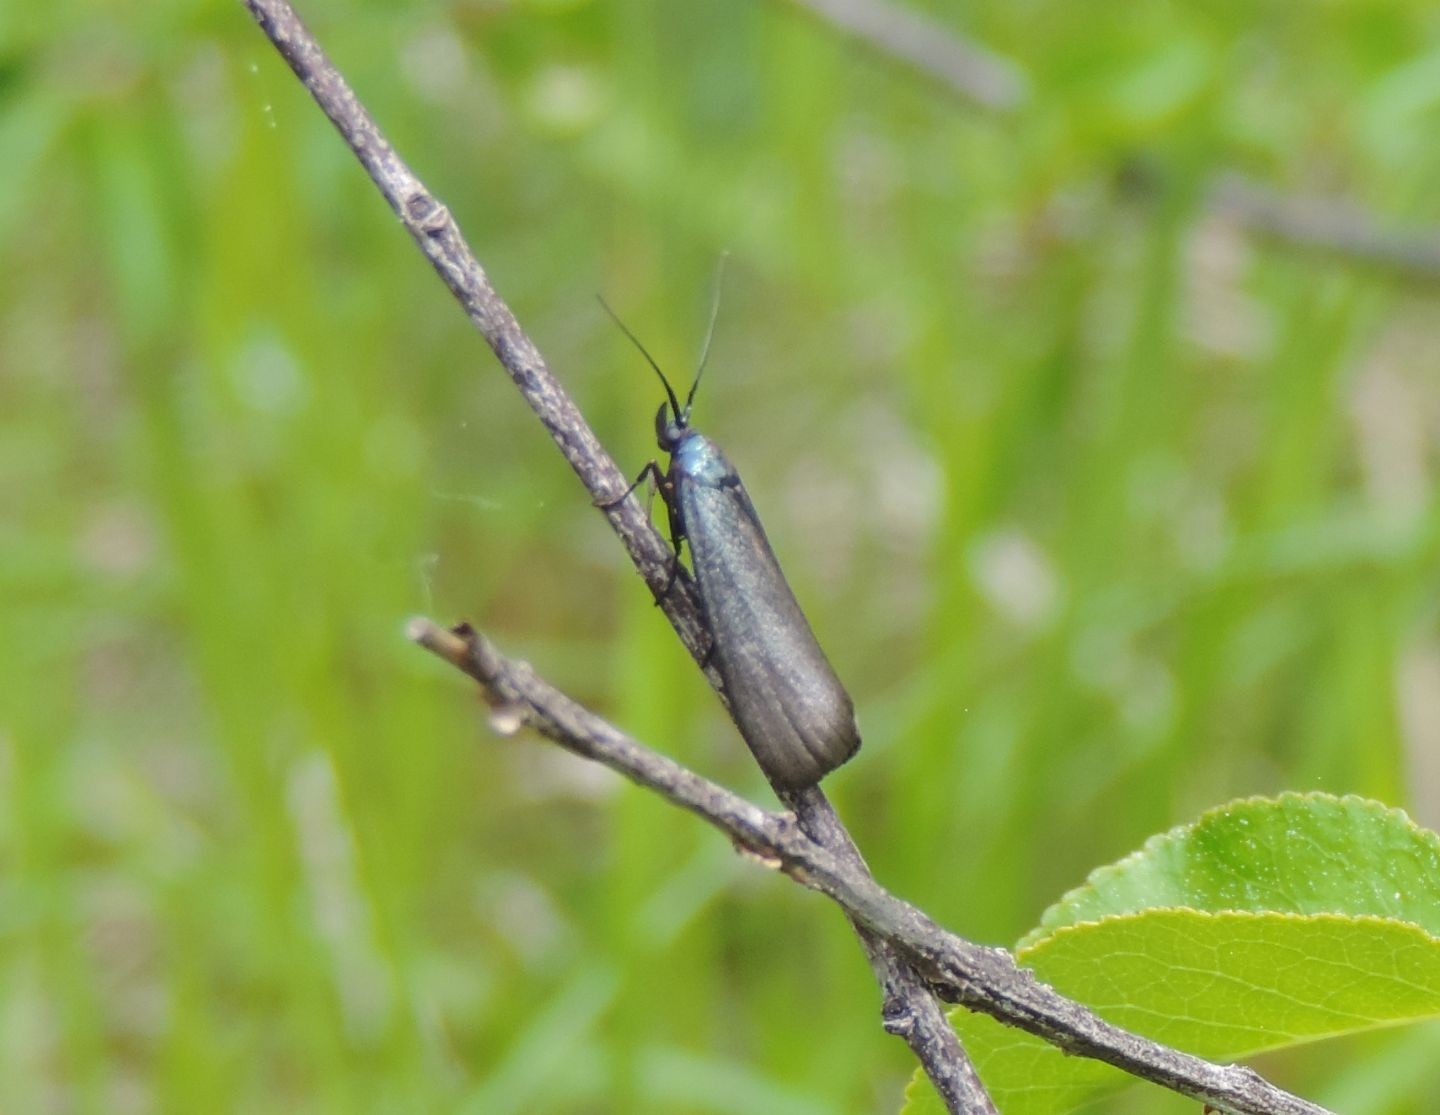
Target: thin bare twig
[910,1010]
[1327,227]
[983,979]
[983,77]
[436,234]
[964,67]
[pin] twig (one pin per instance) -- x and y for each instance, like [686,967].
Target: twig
[436,234]
[1327,227]
[964,67]
[910,1010]
[982,979]
[980,76]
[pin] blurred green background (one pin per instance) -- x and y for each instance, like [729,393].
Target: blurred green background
[1106,509]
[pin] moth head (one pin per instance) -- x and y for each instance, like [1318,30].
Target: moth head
[670,427]
[672,421]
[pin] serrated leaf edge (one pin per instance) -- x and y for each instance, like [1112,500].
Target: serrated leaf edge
[1160,840]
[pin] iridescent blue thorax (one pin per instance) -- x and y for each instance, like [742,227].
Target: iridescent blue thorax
[692,454]
[700,459]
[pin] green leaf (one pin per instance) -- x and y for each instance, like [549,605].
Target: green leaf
[1297,854]
[1266,923]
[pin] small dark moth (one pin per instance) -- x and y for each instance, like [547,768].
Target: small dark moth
[794,714]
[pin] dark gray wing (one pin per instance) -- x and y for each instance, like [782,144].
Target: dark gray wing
[791,708]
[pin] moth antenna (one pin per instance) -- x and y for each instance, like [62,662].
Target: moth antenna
[709,330]
[634,340]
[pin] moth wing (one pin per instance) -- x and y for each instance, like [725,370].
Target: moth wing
[786,699]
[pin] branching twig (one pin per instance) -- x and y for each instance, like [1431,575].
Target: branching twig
[910,1010]
[982,979]
[907,949]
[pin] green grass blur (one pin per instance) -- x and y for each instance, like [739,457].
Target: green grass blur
[1106,512]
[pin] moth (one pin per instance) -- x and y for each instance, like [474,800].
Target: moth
[791,708]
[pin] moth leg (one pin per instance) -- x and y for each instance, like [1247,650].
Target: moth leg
[659,482]
[672,511]
[677,534]
[651,470]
